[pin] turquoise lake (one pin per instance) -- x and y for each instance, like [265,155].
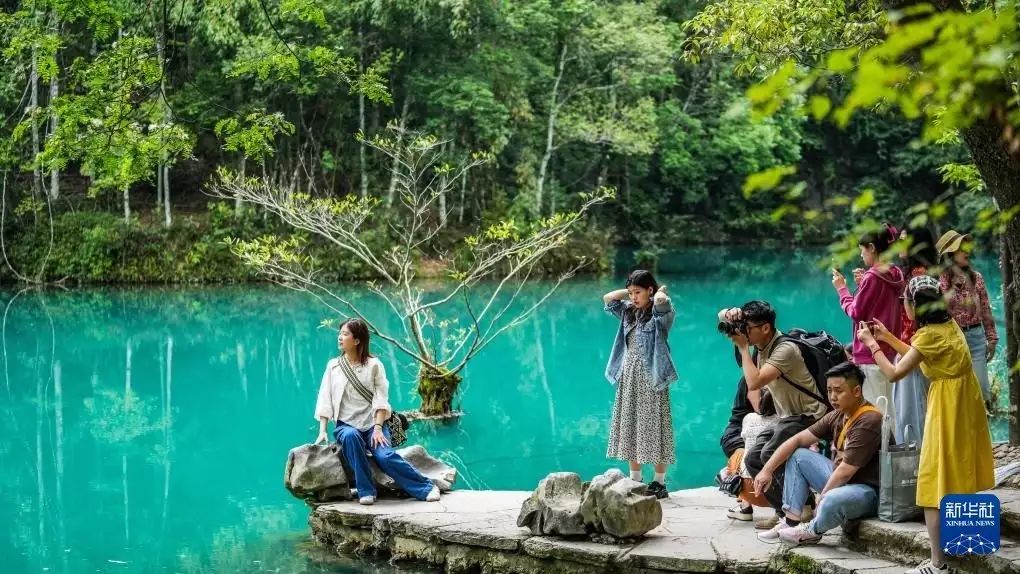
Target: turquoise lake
[146,429]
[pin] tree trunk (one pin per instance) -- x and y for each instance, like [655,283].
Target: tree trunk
[162,170]
[550,130]
[166,196]
[55,174]
[437,389]
[33,106]
[159,189]
[361,113]
[127,206]
[1001,173]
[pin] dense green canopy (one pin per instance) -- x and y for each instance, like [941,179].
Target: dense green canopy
[122,110]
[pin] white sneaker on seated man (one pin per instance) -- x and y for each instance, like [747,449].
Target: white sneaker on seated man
[848,483]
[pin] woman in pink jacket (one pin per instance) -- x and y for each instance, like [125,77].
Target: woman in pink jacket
[879,288]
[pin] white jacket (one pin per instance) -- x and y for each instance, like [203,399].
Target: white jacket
[334,384]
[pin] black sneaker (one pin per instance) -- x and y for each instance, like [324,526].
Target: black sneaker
[658,490]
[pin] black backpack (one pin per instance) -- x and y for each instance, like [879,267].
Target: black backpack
[821,352]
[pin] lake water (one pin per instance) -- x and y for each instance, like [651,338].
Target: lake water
[146,429]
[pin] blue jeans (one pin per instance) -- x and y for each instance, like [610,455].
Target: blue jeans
[978,348]
[355,443]
[807,468]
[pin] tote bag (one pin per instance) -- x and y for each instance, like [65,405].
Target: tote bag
[898,464]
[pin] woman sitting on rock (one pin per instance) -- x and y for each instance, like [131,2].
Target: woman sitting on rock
[348,381]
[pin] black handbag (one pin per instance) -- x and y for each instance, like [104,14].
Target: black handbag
[397,423]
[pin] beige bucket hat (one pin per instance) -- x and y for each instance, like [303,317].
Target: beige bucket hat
[950,242]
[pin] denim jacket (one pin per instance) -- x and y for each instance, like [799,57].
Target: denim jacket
[653,333]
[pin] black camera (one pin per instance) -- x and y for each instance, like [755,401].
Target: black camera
[732,328]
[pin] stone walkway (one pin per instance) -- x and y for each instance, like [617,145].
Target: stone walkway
[476,531]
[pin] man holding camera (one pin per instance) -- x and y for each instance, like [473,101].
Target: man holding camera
[779,366]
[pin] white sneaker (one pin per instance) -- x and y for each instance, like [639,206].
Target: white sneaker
[367,500]
[771,536]
[927,567]
[433,495]
[799,534]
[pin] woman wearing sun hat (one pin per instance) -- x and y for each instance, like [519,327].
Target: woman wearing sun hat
[956,454]
[967,297]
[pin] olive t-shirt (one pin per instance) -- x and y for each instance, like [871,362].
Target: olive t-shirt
[862,442]
[791,402]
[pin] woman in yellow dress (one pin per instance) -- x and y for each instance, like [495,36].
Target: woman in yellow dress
[956,452]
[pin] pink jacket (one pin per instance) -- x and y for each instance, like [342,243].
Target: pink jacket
[878,297]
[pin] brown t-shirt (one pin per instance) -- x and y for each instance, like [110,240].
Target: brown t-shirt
[861,443]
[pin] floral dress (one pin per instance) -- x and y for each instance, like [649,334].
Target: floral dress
[642,427]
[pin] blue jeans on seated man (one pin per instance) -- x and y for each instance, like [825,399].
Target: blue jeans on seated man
[355,443]
[807,468]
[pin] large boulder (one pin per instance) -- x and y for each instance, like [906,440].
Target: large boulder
[553,508]
[316,472]
[620,507]
[612,506]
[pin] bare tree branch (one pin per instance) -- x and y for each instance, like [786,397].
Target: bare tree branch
[506,253]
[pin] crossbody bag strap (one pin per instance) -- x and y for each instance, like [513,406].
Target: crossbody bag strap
[785,339]
[841,439]
[353,379]
[811,394]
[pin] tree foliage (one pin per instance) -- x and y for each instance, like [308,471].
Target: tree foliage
[566,96]
[943,67]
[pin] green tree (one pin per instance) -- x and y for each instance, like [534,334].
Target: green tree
[599,64]
[950,64]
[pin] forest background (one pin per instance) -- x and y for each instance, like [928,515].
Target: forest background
[117,114]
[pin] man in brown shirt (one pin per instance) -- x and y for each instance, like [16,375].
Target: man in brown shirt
[848,484]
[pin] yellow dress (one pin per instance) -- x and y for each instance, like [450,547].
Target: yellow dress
[956,454]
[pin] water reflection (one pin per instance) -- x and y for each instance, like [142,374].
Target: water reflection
[91,426]
[145,429]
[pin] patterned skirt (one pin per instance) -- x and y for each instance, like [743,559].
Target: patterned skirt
[642,427]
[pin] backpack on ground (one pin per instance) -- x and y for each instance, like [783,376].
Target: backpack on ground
[821,352]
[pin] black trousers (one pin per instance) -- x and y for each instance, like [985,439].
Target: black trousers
[767,444]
